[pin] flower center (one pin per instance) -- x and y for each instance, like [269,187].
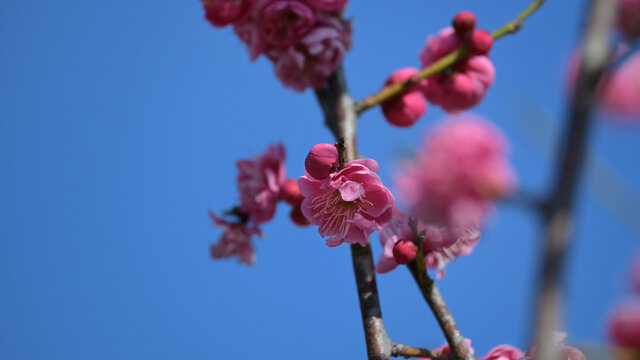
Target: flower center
[336,213]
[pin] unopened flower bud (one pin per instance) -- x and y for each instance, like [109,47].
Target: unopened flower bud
[321,160]
[290,192]
[297,216]
[406,109]
[463,23]
[480,42]
[624,326]
[405,251]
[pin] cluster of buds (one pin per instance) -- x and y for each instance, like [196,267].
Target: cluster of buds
[347,203]
[306,40]
[459,88]
[261,183]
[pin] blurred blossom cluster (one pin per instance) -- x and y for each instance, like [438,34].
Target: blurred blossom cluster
[305,40]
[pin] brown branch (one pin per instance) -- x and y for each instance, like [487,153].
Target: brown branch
[559,207]
[391,91]
[341,118]
[401,350]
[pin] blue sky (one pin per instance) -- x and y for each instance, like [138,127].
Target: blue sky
[120,124]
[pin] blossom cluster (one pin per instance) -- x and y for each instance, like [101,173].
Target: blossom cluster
[261,184]
[459,88]
[305,40]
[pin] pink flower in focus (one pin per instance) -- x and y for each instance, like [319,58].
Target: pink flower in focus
[259,182]
[459,169]
[504,352]
[446,350]
[348,205]
[566,352]
[221,13]
[441,245]
[465,86]
[404,110]
[318,55]
[235,241]
[629,18]
[249,33]
[285,22]
[624,325]
[327,5]
[619,93]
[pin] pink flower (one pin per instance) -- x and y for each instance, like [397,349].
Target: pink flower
[629,18]
[441,245]
[459,169]
[566,352]
[235,241]
[285,22]
[224,12]
[250,34]
[504,352]
[619,92]
[624,325]
[406,109]
[446,350]
[259,182]
[318,55]
[348,205]
[465,86]
[327,5]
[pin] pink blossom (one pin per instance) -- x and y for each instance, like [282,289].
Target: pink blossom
[566,352]
[629,18]
[250,34]
[235,241]
[259,182]
[465,85]
[285,22]
[348,205]
[441,245]
[459,169]
[225,12]
[446,350]
[318,55]
[624,325]
[406,109]
[327,5]
[619,92]
[504,352]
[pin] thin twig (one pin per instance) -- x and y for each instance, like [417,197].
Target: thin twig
[401,350]
[391,91]
[559,207]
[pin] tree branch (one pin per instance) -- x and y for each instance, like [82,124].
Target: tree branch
[559,205]
[391,91]
[341,119]
[400,350]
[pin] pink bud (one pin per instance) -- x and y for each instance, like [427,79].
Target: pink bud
[624,326]
[480,42]
[297,216]
[290,192]
[321,160]
[406,109]
[463,23]
[405,251]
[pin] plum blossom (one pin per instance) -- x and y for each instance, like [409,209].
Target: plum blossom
[249,34]
[404,110]
[619,92]
[504,352]
[460,167]
[221,13]
[440,247]
[348,205]
[311,61]
[629,18]
[235,240]
[285,22]
[468,81]
[446,350]
[327,5]
[259,182]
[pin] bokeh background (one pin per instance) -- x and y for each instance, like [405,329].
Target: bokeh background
[120,124]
